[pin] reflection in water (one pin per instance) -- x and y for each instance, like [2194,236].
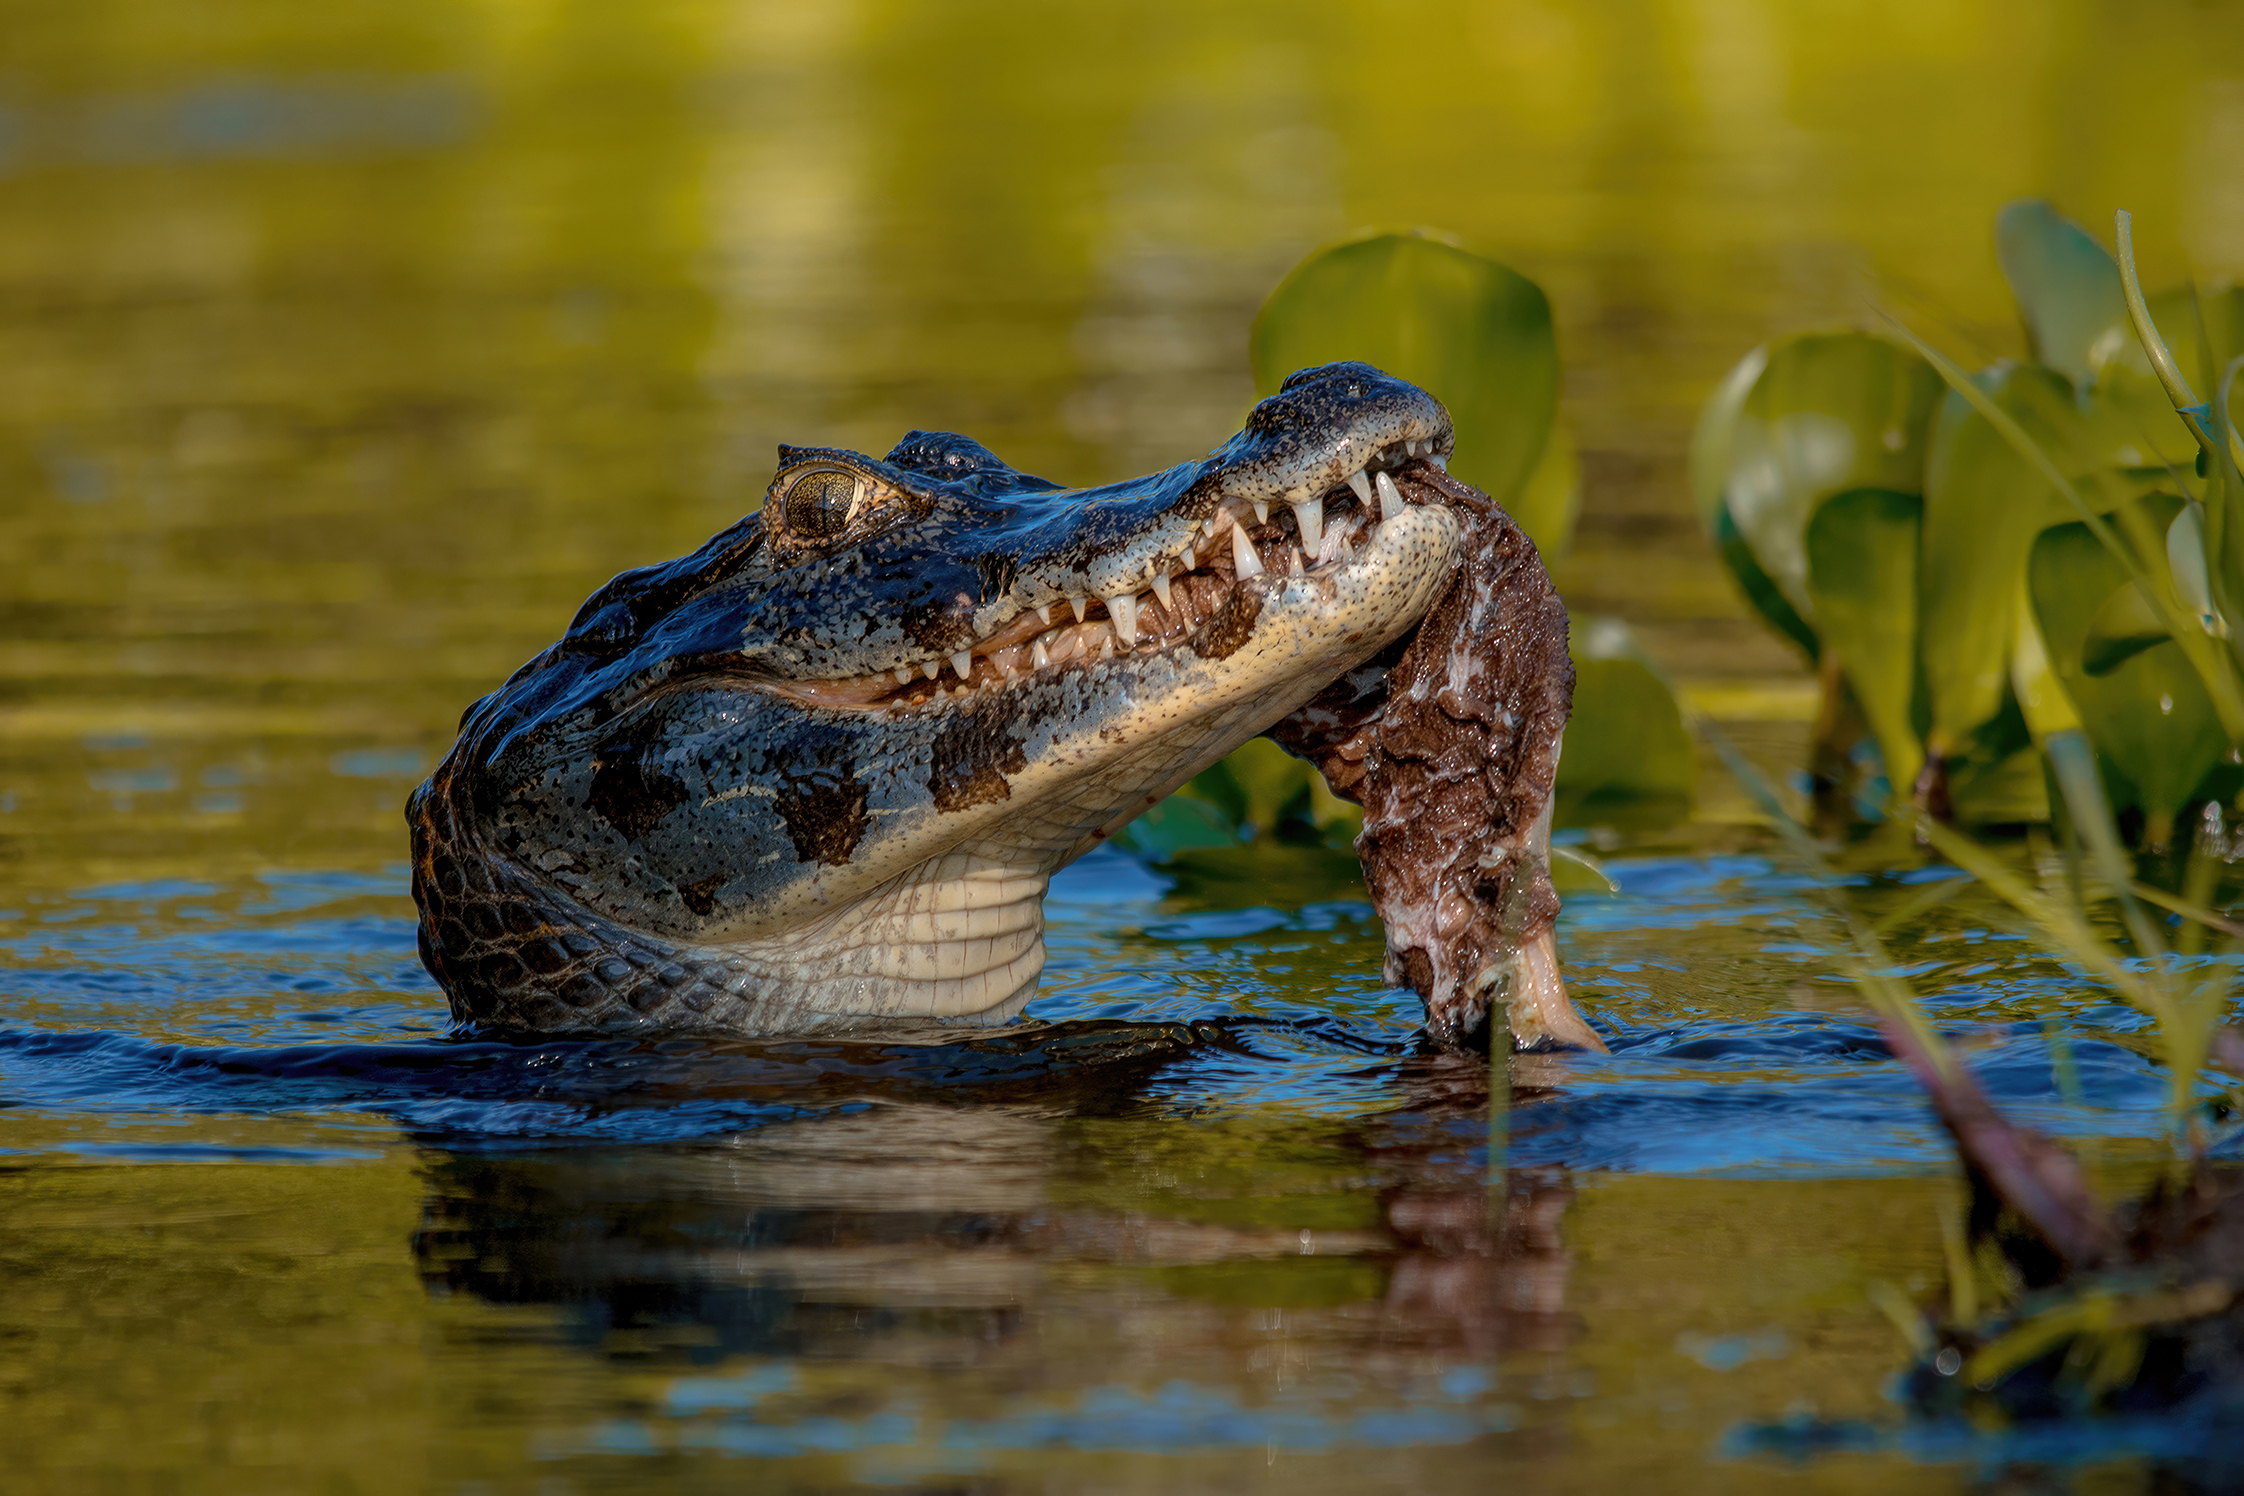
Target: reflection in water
[943,1249]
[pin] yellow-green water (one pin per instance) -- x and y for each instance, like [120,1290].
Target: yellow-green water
[344,348]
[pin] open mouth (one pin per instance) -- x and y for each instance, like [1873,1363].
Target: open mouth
[1183,601]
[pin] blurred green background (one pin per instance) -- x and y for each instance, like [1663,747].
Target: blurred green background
[344,348]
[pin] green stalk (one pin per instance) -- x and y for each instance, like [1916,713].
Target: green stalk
[2194,412]
[2062,925]
[1499,1119]
[1866,963]
[2074,763]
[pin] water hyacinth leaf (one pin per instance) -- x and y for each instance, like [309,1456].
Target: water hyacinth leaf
[2216,667]
[1759,590]
[1177,824]
[2033,680]
[1711,443]
[2013,791]
[2066,284]
[1862,573]
[1550,501]
[1260,790]
[2148,714]
[1476,335]
[2185,562]
[1715,435]
[1271,781]
[1830,412]
[1984,504]
[1628,757]
[2134,413]
[2121,629]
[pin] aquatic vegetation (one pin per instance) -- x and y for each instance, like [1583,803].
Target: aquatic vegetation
[1918,546]
[2057,1306]
[1987,568]
[2030,576]
[1478,335]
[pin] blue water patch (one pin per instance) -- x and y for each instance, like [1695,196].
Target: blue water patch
[1180,1417]
[299,994]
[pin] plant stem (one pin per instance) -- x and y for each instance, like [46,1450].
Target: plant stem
[2195,412]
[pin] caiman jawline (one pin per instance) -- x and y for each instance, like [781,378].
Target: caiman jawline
[1184,590]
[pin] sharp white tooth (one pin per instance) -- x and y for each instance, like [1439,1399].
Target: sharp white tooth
[1439,459]
[1106,645]
[1390,498]
[1361,483]
[1215,521]
[1123,609]
[1044,613]
[904,674]
[941,694]
[1261,511]
[1039,655]
[963,663]
[1309,519]
[932,668]
[1081,605]
[1161,591]
[1243,558]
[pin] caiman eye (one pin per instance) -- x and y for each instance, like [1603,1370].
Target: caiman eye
[818,503]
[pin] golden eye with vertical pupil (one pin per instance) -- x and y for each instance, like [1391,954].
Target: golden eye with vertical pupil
[818,503]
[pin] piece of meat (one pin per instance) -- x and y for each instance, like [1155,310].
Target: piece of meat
[1449,739]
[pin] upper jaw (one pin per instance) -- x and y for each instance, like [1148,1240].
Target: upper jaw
[1306,444]
[1293,491]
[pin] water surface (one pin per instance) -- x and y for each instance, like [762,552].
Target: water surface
[344,349]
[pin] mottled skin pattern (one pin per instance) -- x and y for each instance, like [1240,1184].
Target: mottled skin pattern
[816,774]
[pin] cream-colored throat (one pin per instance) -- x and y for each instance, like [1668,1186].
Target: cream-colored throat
[959,937]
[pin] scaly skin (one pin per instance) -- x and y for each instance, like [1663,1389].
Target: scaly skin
[749,791]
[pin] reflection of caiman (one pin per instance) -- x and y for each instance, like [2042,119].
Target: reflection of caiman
[819,771]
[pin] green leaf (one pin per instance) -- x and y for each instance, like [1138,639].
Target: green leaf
[1177,823]
[1271,781]
[1862,573]
[1984,504]
[2147,714]
[1628,758]
[1715,435]
[2066,284]
[2121,629]
[2034,684]
[1759,591]
[1475,334]
[2012,792]
[1548,505]
[1712,441]
[2185,561]
[1830,412]
[2216,667]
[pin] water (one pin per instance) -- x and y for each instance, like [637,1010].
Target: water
[1212,1215]
[343,350]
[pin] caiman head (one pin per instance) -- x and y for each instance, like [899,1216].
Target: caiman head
[818,772]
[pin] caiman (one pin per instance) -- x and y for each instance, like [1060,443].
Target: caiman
[818,774]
